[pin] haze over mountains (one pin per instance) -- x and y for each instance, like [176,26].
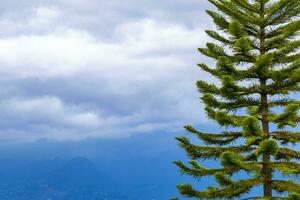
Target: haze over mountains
[137,168]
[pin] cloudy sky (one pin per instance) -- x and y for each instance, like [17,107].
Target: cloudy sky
[77,69]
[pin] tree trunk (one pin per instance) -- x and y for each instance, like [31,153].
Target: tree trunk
[266,171]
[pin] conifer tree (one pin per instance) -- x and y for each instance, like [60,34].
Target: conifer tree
[255,101]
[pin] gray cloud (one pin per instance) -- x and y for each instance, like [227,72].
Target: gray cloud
[73,69]
[98,17]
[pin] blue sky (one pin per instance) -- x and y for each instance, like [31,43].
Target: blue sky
[78,69]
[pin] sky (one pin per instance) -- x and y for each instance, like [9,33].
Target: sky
[72,70]
[101,78]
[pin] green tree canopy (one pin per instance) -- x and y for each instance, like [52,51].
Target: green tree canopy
[255,101]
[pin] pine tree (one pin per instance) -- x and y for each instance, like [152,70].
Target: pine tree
[255,102]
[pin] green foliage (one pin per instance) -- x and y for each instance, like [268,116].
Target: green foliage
[236,30]
[294,196]
[258,68]
[267,147]
[223,179]
[251,127]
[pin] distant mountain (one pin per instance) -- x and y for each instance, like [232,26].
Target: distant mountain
[81,179]
[134,168]
[76,179]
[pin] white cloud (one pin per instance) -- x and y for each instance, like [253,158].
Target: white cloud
[145,42]
[48,110]
[146,75]
[48,117]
